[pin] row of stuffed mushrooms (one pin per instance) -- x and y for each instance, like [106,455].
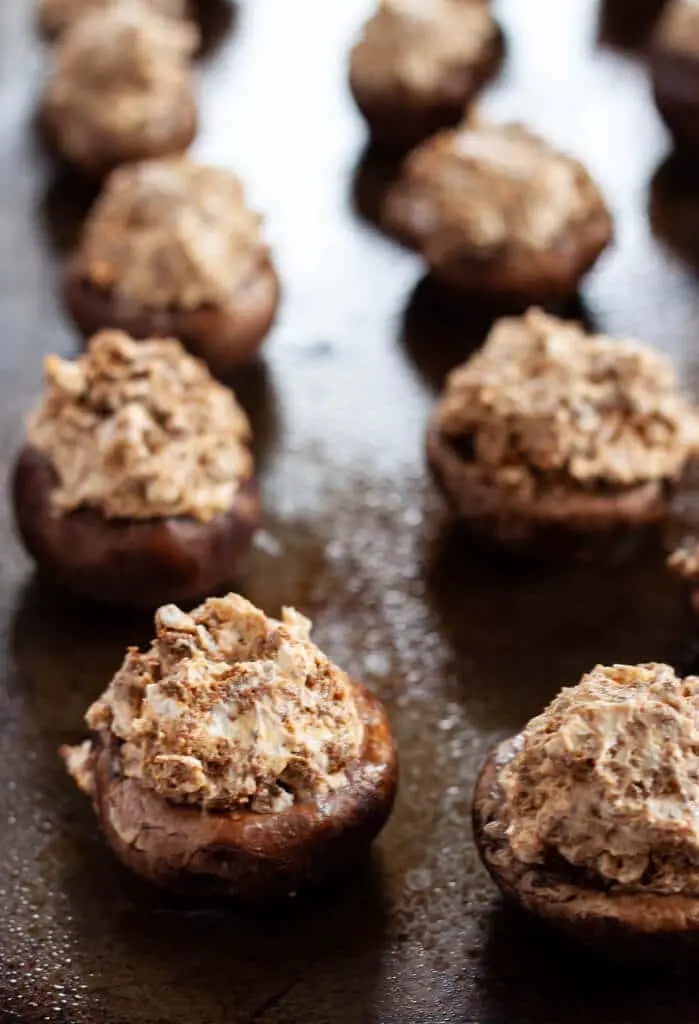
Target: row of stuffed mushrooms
[420,65]
[136,485]
[232,756]
[496,211]
[170,248]
[233,759]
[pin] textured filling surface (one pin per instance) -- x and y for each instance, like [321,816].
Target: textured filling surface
[120,70]
[140,429]
[171,233]
[543,402]
[607,778]
[229,709]
[57,15]
[484,190]
[414,46]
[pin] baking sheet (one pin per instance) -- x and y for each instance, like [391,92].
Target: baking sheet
[463,648]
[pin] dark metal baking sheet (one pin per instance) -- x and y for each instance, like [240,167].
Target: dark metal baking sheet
[462,648]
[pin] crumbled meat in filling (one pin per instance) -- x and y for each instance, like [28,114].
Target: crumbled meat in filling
[231,709]
[483,190]
[122,70]
[140,429]
[545,402]
[608,778]
[416,45]
[171,233]
[678,28]
[57,15]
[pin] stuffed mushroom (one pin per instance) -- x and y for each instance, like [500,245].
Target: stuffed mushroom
[233,758]
[136,482]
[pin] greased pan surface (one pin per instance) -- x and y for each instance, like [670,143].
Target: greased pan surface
[462,647]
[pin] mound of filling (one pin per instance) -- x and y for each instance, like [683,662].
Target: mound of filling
[544,403]
[607,778]
[140,429]
[482,191]
[118,70]
[228,709]
[414,46]
[171,233]
[57,15]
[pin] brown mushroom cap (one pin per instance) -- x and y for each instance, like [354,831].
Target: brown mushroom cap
[399,122]
[621,922]
[249,856]
[578,522]
[134,562]
[516,279]
[224,337]
[109,149]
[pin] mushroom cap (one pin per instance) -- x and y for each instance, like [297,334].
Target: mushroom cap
[252,857]
[224,337]
[623,923]
[575,523]
[137,563]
